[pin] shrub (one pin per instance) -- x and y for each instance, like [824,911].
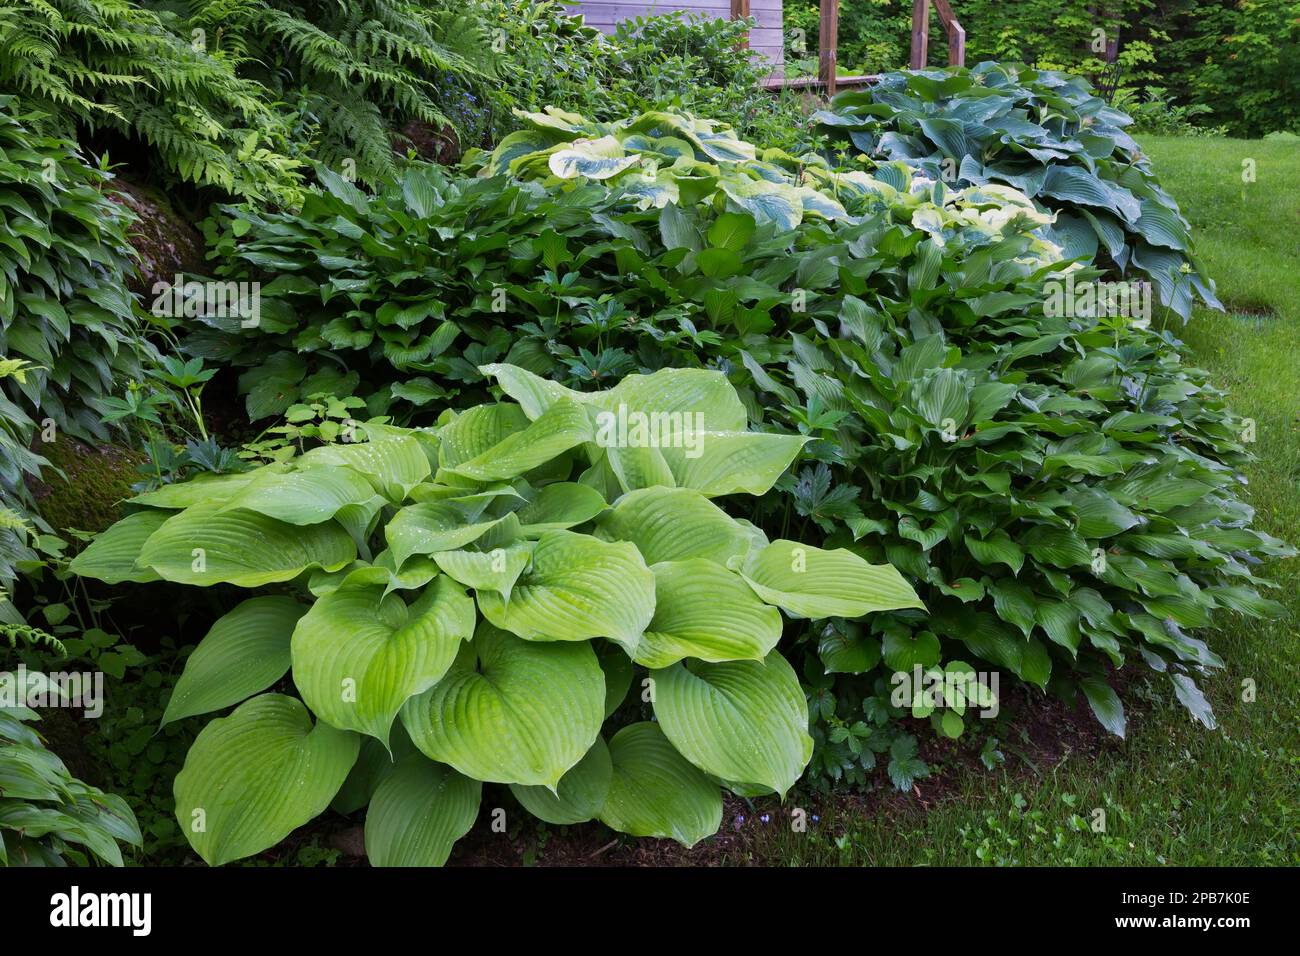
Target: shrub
[1061,487]
[1047,135]
[376,546]
[68,329]
[47,817]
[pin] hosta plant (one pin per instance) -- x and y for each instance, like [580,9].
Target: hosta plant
[1048,135]
[470,603]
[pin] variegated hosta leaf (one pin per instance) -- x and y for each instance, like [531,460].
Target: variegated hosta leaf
[205,545]
[593,158]
[304,497]
[559,506]
[358,656]
[511,711]
[673,524]
[394,465]
[495,571]
[430,528]
[254,777]
[745,722]
[778,203]
[809,582]
[563,426]
[656,792]
[111,557]
[418,813]
[515,146]
[578,587]
[245,652]
[581,792]
[704,611]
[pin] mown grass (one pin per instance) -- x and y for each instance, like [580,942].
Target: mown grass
[1173,792]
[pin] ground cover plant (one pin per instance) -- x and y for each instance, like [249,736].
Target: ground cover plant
[387,538]
[1048,135]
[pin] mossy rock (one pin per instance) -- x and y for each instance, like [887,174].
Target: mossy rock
[166,242]
[98,478]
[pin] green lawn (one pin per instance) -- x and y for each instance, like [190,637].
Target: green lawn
[1174,793]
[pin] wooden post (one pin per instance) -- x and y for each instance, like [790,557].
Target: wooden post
[920,33]
[828,43]
[956,34]
[739,11]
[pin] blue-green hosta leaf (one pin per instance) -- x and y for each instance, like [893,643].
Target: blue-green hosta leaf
[111,557]
[809,582]
[673,524]
[204,545]
[563,426]
[244,653]
[778,203]
[745,722]
[432,527]
[394,465]
[656,792]
[418,813]
[358,656]
[254,777]
[580,794]
[511,711]
[578,587]
[495,571]
[560,506]
[304,497]
[704,611]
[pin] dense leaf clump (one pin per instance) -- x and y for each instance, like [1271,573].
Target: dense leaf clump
[1048,135]
[471,603]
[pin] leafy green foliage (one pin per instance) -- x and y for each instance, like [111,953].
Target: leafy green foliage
[1047,135]
[68,326]
[47,817]
[473,597]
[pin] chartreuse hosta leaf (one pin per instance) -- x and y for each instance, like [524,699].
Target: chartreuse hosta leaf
[394,465]
[580,795]
[809,582]
[358,656]
[245,652]
[304,497]
[511,711]
[431,527]
[494,571]
[204,489]
[654,791]
[111,557]
[577,588]
[673,524]
[418,813]
[560,506]
[745,722]
[563,426]
[205,545]
[705,611]
[252,778]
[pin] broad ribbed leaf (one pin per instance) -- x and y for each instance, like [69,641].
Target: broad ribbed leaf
[728,463]
[358,656]
[563,426]
[745,722]
[112,555]
[204,489]
[702,610]
[511,711]
[418,813]
[303,497]
[656,792]
[496,570]
[431,527]
[577,588]
[394,465]
[560,506]
[254,777]
[673,524]
[809,582]
[580,795]
[204,545]
[244,653]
